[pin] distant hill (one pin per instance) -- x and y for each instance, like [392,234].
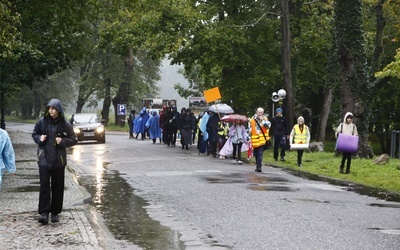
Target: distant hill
[169,77]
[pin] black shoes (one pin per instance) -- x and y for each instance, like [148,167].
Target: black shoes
[43,218]
[55,218]
[258,170]
[283,159]
[341,170]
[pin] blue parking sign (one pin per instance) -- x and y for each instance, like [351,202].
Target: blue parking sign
[121,109]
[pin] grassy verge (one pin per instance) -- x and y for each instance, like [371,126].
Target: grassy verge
[363,171]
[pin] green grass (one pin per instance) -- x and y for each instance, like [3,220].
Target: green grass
[18,119]
[363,171]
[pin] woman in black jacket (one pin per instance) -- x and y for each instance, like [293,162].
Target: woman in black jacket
[53,134]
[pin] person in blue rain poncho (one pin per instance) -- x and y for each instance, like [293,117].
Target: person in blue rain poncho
[153,125]
[7,156]
[140,122]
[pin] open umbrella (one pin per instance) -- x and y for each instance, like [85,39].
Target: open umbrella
[221,108]
[234,117]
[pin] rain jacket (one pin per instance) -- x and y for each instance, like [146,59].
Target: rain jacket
[347,128]
[238,132]
[50,154]
[7,156]
[154,126]
[140,121]
[203,125]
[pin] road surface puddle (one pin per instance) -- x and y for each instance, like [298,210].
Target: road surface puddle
[255,182]
[124,213]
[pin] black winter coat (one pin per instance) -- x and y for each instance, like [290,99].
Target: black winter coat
[50,154]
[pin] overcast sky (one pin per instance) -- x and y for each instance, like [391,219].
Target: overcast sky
[170,76]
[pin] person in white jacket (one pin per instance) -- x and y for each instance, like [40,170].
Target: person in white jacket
[7,155]
[348,128]
[300,134]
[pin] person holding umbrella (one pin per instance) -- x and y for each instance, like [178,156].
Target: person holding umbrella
[238,135]
[259,126]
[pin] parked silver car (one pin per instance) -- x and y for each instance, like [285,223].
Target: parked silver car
[88,126]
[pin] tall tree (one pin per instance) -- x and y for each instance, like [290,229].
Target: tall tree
[286,62]
[350,51]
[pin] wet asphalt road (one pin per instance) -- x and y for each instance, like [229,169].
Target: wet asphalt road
[160,197]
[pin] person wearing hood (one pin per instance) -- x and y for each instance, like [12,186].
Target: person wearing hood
[300,134]
[53,134]
[187,128]
[153,126]
[7,155]
[140,122]
[347,128]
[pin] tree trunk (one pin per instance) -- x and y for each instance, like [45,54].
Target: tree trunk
[326,107]
[122,96]
[355,84]
[107,101]
[380,26]
[286,64]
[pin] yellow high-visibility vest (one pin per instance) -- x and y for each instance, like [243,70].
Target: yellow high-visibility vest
[300,136]
[258,140]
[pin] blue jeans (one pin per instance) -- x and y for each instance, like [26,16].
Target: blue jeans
[258,154]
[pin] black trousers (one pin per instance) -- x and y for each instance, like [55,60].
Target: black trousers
[173,135]
[237,148]
[130,129]
[277,145]
[346,156]
[51,193]
[300,156]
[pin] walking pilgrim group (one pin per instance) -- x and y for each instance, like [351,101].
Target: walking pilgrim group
[53,134]
[217,137]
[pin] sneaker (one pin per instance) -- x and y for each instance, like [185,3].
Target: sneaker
[239,162]
[43,218]
[283,159]
[234,161]
[55,218]
[300,165]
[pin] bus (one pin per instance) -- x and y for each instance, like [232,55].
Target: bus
[156,104]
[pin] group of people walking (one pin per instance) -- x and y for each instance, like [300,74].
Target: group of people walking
[53,134]
[164,126]
[216,137]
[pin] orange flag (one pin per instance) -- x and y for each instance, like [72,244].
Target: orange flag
[212,95]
